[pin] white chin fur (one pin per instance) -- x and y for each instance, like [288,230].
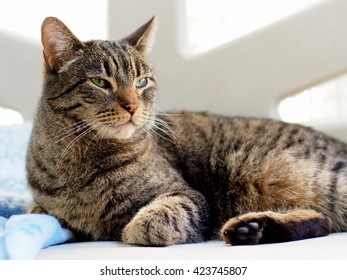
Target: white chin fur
[122,133]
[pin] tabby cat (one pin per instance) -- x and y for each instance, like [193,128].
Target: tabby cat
[109,168]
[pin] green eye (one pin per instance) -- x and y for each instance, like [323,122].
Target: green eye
[141,83]
[101,83]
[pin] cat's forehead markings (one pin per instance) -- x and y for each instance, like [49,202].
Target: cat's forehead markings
[110,73]
[107,67]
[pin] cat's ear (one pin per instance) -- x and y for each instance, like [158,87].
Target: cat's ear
[143,38]
[60,45]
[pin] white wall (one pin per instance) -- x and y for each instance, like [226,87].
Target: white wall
[244,77]
[20,73]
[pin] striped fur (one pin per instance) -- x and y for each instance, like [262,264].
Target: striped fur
[109,168]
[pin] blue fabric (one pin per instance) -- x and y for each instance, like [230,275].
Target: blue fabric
[14,194]
[21,235]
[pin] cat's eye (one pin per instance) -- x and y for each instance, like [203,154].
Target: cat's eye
[101,83]
[141,83]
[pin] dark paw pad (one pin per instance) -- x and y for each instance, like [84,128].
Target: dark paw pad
[245,233]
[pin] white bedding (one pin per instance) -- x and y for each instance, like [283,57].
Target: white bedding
[331,247]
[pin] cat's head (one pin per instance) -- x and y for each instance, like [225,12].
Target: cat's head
[108,86]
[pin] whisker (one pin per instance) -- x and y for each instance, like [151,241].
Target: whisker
[148,131]
[103,131]
[70,145]
[152,115]
[159,109]
[100,132]
[156,133]
[162,114]
[165,129]
[73,130]
[162,126]
[167,133]
[66,131]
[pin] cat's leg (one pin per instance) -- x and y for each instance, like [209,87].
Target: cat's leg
[169,219]
[273,227]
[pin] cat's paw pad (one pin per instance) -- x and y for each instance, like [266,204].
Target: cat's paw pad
[240,232]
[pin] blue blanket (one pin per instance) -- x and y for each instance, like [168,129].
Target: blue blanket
[21,235]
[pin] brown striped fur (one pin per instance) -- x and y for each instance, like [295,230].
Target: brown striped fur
[109,168]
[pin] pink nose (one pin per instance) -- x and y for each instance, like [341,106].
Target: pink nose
[131,107]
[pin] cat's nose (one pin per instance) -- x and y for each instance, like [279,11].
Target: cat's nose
[131,107]
[129,100]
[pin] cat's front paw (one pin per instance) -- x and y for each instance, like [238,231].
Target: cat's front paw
[243,231]
[152,226]
[144,231]
[168,220]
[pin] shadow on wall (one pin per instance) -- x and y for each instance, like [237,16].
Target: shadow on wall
[20,72]
[246,76]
